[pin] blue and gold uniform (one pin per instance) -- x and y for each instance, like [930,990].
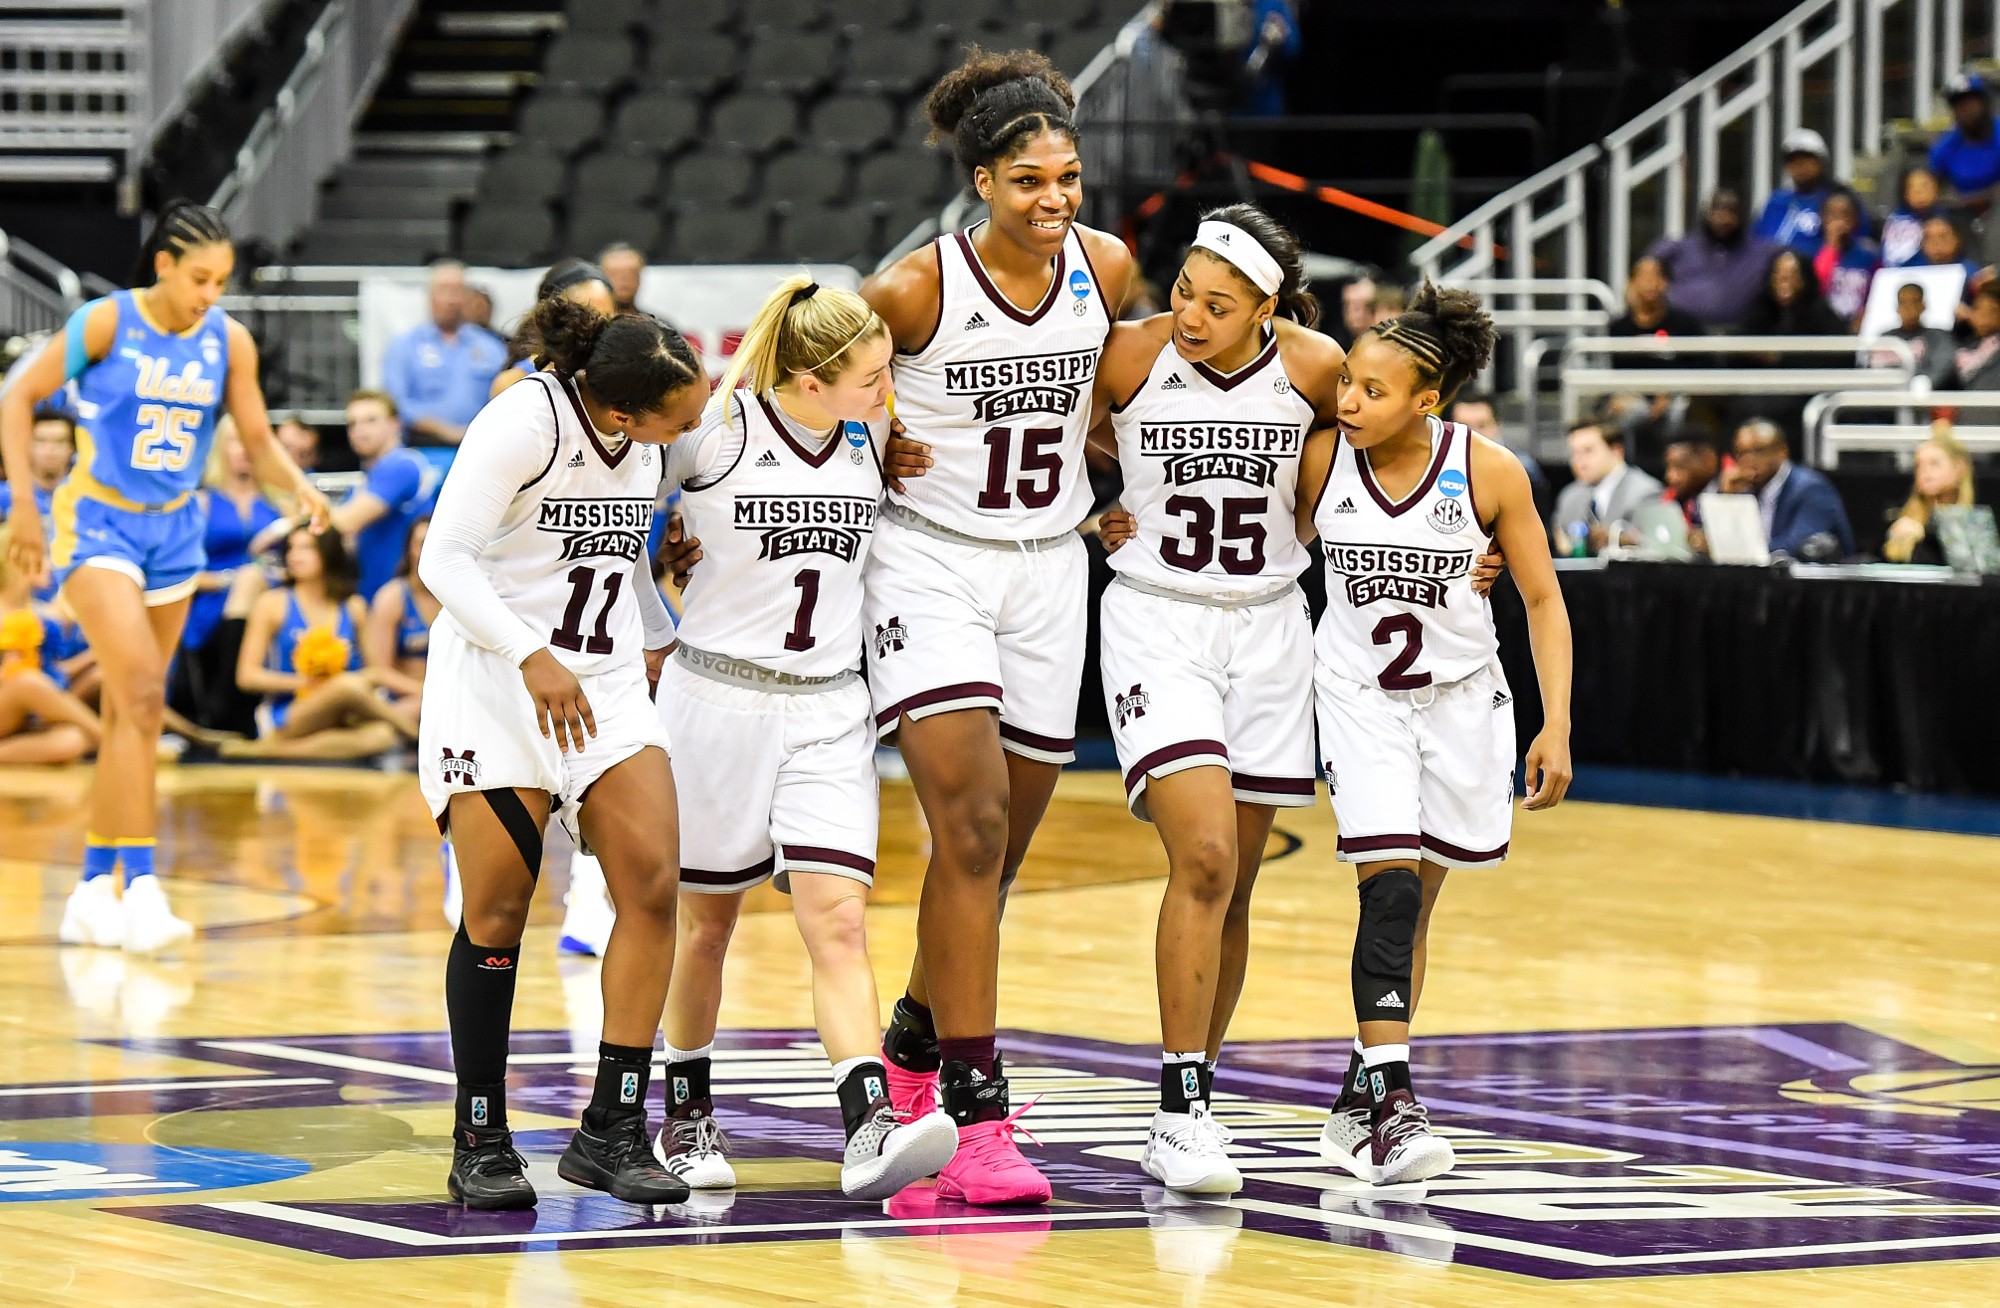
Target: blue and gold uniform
[339,640]
[145,420]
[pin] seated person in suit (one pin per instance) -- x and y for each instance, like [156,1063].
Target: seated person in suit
[1606,490]
[1803,515]
[1944,477]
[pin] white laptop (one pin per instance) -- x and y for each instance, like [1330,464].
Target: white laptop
[1734,525]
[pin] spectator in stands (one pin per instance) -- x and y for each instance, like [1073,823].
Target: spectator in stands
[1475,409]
[1389,302]
[1967,157]
[40,721]
[51,449]
[1903,232]
[396,643]
[1943,246]
[1606,490]
[1791,304]
[1273,49]
[302,652]
[1649,307]
[1792,215]
[203,681]
[300,440]
[440,373]
[623,267]
[400,486]
[1713,272]
[1357,309]
[1934,348]
[573,279]
[1847,260]
[1976,364]
[1803,515]
[1944,478]
[1693,469]
[478,308]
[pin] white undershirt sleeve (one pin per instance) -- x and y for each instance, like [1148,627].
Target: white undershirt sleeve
[508,445]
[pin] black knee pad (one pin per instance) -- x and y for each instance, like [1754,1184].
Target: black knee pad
[1384,945]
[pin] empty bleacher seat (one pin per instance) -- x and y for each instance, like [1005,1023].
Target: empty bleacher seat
[891,63]
[807,176]
[594,226]
[697,64]
[820,234]
[853,122]
[678,16]
[562,122]
[608,17]
[1072,53]
[792,63]
[899,218]
[711,177]
[1056,13]
[963,16]
[721,235]
[528,172]
[905,175]
[781,15]
[758,123]
[664,123]
[590,61]
[616,177]
[509,235]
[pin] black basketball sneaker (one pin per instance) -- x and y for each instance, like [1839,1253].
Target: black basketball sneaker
[487,1173]
[619,1161]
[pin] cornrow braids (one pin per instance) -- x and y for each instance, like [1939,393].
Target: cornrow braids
[1448,335]
[181,226]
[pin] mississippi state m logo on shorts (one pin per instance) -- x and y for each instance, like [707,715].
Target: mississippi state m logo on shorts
[462,768]
[1132,704]
[889,637]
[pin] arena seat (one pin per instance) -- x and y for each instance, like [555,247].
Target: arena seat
[665,123]
[563,122]
[894,64]
[593,226]
[711,177]
[722,235]
[592,62]
[808,176]
[904,174]
[699,64]
[757,123]
[616,177]
[508,234]
[857,123]
[608,17]
[781,15]
[524,173]
[792,63]
[830,234]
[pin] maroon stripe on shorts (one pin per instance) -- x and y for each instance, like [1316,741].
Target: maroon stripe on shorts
[1052,744]
[1376,844]
[704,877]
[1273,785]
[1170,754]
[942,695]
[1450,850]
[837,857]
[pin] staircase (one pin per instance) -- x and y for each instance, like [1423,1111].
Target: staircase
[445,101]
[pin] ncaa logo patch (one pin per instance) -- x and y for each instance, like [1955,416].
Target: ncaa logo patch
[1448,516]
[1079,286]
[1451,482]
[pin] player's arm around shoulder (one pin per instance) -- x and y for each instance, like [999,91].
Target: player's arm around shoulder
[1315,466]
[1129,353]
[1313,361]
[909,294]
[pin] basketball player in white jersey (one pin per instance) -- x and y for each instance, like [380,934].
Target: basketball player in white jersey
[537,703]
[774,733]
[1206,643]
[1416,723]
[975,611]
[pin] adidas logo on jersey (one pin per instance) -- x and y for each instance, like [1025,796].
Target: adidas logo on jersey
[975,322]
[767,460]
[575,460]
[1345,506]
[1173,383]
[1501,699]
[1390,1000]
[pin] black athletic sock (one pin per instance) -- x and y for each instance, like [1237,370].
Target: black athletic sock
[1181,1083]
[1353,1090]
[479,1005]
[622,1074]
[859,1090]
[911,1041]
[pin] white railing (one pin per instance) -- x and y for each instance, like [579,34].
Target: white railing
[37,293]
[1841,66]
[1868,371]
[1826,439]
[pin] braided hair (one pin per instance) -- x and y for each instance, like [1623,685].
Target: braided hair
[181,226]
[631,363]
[993,103]
[1448,335]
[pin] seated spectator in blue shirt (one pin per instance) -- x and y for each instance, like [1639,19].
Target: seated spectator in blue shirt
[1903,230]
[1847,260]
[1803,515]
[1968,156]
[399,489]
[1791,215]
[439,374]
[51,449]
[1714,271]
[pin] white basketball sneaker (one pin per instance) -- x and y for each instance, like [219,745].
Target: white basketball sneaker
[1348,1142]
[150,925]
[887,1154]
[695,1150]
[1184,1153]
[587,913]
[92,915]
[1404,1150]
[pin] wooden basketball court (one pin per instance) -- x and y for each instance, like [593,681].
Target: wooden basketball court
[1762,1052]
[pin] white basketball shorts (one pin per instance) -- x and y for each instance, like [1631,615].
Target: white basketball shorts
[1425,774]
[770,782]
[956,625]
[478,729]
[1188,684]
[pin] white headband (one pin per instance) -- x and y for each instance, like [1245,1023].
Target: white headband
[1243,251]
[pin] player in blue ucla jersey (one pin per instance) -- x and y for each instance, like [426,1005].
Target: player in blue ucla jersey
[153,368]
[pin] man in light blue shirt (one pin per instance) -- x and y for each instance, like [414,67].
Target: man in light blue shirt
[439,373]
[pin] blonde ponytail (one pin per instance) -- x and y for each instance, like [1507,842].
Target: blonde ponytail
[802,328]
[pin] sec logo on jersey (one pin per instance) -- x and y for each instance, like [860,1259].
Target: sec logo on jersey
[1448,516]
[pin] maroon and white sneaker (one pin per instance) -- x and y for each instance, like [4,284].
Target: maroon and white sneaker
[1404,1150]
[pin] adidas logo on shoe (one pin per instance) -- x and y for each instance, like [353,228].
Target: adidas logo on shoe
[1173,383]
[1501,699]
[1390,1000]
[767,460]
[975,322]
[576,460]
[1345,506]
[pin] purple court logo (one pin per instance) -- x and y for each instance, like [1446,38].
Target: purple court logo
[1587,1154]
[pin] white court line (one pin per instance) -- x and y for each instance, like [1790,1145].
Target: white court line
[326,1058]
[1585,1258]
[425,1239]
[113,1087]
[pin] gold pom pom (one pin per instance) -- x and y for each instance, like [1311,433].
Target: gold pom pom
[320,654]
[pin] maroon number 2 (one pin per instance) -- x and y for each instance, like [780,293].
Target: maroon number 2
[800,637]
[1037,458]
[569,635]
[1397,675]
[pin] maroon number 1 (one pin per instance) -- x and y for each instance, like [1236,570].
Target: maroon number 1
[800,637]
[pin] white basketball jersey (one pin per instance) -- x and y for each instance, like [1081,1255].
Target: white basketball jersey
[1002,397]
[563,554]
[1400,610]
[1211,465]
[784,530]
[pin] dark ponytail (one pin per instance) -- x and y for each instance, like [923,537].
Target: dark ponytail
[632,362]
[993,102]
[1447,334]
[1294,300]
[181,226]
